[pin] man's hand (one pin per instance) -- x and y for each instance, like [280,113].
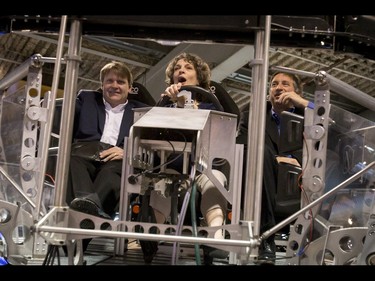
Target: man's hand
[113,153]
[288,160]
[290,99]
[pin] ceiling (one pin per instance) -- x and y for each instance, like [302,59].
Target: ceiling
[147,43]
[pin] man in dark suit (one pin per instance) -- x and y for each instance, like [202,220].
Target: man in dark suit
[285,94]
[102,119]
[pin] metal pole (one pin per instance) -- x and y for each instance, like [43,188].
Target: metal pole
[257,117]
[67,116]
[52,102]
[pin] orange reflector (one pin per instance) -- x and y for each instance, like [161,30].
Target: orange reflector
[135,209]
[230,215]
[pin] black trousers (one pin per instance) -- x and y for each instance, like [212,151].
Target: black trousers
[270,170]
[98,181]
[269,189]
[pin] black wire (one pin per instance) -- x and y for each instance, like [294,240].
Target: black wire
[46,259]
[194,221]
[133,178]
[52,252]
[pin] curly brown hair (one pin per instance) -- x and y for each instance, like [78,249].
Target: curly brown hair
[200,66]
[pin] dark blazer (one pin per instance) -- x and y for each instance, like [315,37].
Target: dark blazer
[270,167]
[272,134]
[89,117]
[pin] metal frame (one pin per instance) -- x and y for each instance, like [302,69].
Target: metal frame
[60,226]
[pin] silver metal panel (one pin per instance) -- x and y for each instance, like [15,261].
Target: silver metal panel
[174,118]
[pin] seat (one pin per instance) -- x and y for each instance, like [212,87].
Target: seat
[140,93]
[225,99]
[288,194]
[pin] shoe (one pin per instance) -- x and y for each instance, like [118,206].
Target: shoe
[209,253]
[267,252]
[87,206]
[149,249]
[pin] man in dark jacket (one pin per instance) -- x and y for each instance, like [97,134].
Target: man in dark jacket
[102,119]
[285,94]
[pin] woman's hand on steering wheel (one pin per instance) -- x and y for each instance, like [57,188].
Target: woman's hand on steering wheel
[171,93]
[173,90]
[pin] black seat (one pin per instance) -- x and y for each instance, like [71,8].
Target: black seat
[140,93]
[225,99]
[288,195]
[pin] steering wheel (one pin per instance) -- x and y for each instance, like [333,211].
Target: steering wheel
[206,95]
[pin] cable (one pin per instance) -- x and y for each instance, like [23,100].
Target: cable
[194,222]
[185,204]
[132,179]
